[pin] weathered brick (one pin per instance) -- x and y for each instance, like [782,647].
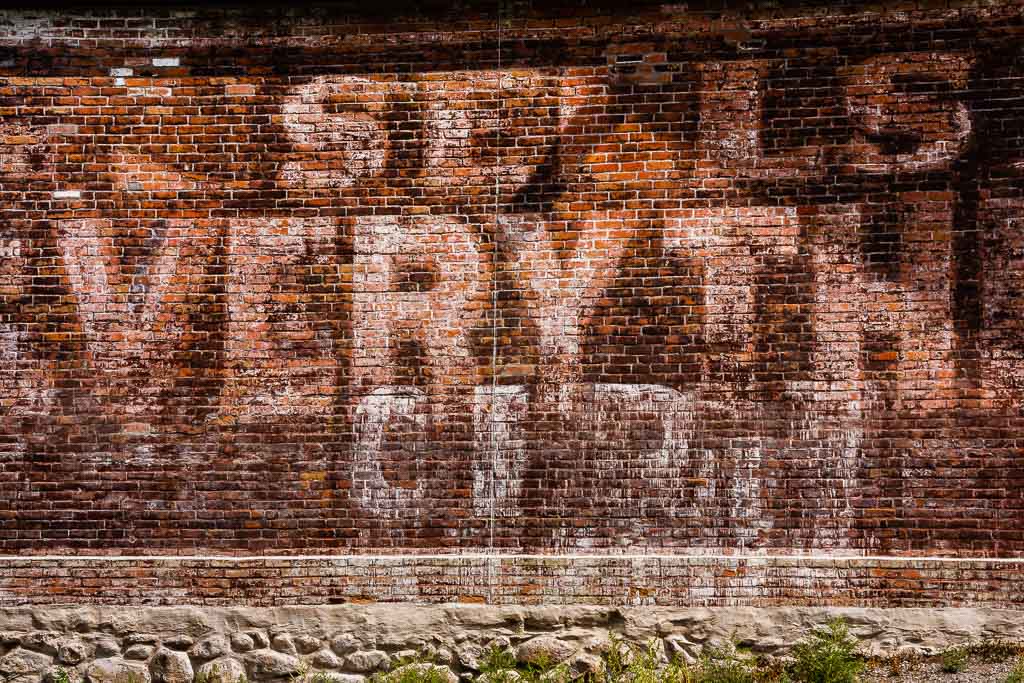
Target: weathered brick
[647,280]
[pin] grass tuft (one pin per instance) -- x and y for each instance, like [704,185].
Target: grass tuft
[1017,674]
[995,650]
[954,659]
[725,664]
[830,654]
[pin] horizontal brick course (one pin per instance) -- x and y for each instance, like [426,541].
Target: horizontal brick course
[676,581]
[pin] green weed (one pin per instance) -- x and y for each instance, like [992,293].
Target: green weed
[1017,675]
[954,659]
[830,654]
[994,650]
[413,672]
[725,664]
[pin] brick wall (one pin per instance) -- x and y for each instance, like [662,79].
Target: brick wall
[576,281]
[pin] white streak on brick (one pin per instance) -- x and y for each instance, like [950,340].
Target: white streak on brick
[85,246]
[166,61]
[359,137]
[438,318]
[62,129]
[500,415]
[150,91]
[374,414]
[67,194]
[10,249]
[264,376]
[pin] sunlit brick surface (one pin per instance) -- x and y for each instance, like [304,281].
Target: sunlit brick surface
[651,278]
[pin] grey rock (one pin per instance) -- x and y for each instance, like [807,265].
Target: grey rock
[42,641]
[223,670]
[333,677]
[679,646]
[10,638]
[499,643]
[596,642]
[544,649]
[73,651]
[68,620]
[584,663]
[21,662]
[180,642]
[211,648]
[169,666]
[139,652]
[399,641]
[270,663]
[282,642]
[242,642]
[107,647]
[124,621]
[344,643]
[116,670]
[470,655]
[544,618]
[325,659]
[422,670]
[259,639]
[366,661]
[306,643]
[141,639]
[56,674]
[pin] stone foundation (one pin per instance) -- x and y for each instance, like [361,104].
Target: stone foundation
[351,642]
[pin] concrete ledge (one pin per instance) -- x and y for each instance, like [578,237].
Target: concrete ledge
[611,580]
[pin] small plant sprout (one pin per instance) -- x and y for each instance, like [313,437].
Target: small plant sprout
[1017,674]
[954,659]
